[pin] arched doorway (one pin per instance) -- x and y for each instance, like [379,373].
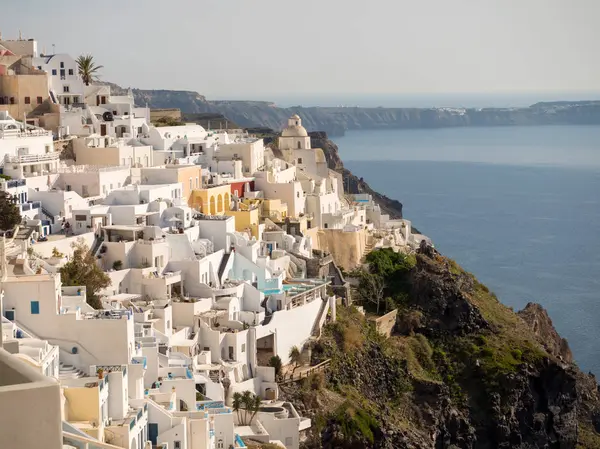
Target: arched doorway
[227,202]
[220,203]
[212,205]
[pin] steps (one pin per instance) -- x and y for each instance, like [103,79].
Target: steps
[368,248]
[69,372]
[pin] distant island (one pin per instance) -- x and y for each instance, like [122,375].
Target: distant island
[337,120]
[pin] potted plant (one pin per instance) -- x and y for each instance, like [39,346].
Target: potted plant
[57,256]
[100,373]
[117,265]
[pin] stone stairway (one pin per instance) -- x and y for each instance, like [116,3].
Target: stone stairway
[368,248]
[69,372]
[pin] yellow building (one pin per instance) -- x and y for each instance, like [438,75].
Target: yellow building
[274,209]
[190,177]
[246,220]
[212,200]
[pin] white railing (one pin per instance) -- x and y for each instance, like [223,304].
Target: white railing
[32,158]
[89,168]
[20,133]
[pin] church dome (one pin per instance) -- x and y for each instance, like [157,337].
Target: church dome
[294,128]
[294,131]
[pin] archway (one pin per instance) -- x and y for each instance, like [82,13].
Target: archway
[134,443]
[227,202]
[212,205]
[220,203]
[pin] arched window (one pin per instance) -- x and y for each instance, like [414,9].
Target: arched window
[299,145]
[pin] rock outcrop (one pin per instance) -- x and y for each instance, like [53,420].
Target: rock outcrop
[541,325]
[470,374]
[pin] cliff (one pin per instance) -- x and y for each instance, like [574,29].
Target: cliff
[337,120]
[461,371]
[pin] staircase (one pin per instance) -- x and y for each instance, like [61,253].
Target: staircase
[223,264]
[368,248]
[69,372]
[321,317]
[47,214]
[98,241]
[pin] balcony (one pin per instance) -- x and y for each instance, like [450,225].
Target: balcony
[14,183]
[21,133]
[32,158]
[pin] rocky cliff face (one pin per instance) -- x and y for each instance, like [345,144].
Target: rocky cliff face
[462,372]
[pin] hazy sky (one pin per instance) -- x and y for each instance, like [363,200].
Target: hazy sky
[263,48]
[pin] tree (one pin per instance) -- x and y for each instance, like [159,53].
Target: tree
[372,288]
[88,69]
[82,270]
[295,357]
[275,362]
[249,403]
[9,212]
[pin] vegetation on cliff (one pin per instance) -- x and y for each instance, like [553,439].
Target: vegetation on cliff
[460,371]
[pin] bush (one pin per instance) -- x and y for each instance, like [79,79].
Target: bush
[117,265]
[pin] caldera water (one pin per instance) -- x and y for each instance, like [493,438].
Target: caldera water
[517,206]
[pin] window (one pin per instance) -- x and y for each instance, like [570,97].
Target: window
[62,74]
[27,100]
[75,99]
[12,100]
[35,307]
[140,130]
[197,182]
[243,347]
[177,444]
[40,100]
[191,184]
[300,146]
[70,71]
[326,226]
[66,89]
[62,65]
[299,159]
[54,72]
[111,186]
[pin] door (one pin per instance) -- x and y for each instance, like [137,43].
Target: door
[153,432]
[103,130]
[231,353]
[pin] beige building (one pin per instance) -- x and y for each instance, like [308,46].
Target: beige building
[190,177]
[104,151]
[28,396]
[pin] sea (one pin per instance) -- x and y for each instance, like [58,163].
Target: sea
[519,207]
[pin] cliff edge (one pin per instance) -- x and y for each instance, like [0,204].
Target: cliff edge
[460,371]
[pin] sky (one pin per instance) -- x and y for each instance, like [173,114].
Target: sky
[264,49]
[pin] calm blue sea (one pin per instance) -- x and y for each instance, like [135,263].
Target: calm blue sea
[517,206]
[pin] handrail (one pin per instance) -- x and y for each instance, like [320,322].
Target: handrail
[87,441]
[303,374]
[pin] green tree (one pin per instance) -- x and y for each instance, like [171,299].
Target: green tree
[275,362]
[295,358]
[83,270]
[9,212]
[88,70]
[237,404]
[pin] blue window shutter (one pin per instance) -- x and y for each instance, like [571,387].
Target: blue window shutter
[35,307]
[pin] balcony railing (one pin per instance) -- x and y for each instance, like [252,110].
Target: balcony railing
[20,133]
[13,183]
[32,158]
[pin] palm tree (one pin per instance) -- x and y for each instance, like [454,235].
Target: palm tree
[87,69]
[295,358]
[237,403]
[248,401]
[254,407]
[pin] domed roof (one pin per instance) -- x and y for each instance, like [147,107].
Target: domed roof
[294,131]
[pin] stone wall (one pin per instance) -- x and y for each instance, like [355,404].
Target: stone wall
[385,324]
